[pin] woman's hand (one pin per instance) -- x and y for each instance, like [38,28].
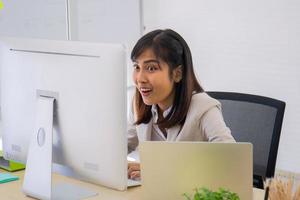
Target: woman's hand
[134,170]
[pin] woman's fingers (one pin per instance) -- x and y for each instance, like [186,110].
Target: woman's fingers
[133,167]
[135,174]
[134,170]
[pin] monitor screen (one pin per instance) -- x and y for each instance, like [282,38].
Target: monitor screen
[89,123]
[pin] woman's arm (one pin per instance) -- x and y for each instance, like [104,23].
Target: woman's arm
[132,139]
[213,126]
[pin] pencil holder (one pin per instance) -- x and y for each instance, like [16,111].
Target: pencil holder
[281,189]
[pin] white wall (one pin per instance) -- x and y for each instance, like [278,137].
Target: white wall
[33,18]
[249,46]
[90,20]
[106,20]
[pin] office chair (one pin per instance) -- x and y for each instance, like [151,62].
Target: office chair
[258,120]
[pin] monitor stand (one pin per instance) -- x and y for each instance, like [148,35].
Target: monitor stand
[38,174]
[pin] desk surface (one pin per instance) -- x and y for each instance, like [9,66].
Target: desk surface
[12,190]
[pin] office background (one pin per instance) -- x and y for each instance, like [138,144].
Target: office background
[248,46]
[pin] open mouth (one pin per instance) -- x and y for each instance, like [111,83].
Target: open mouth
[145,91]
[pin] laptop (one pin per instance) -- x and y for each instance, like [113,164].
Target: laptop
[7,164]
[170,169]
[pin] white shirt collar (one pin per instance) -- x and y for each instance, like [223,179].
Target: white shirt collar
[154,111]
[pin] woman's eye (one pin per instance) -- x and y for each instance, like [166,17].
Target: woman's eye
[151,68]
[136,67]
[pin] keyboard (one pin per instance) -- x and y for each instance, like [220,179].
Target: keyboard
[132,183]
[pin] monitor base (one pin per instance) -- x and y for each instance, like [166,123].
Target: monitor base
[38,174]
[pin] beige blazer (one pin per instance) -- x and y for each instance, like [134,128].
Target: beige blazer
[204,122]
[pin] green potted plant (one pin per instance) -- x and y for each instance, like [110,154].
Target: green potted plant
[206,194]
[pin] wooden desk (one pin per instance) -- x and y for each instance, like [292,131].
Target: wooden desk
[12,190]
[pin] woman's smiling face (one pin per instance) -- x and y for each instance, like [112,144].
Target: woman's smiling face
[153,80]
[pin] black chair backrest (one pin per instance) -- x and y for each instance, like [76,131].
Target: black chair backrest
[258,120]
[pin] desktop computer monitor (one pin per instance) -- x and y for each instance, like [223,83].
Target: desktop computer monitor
[88,82]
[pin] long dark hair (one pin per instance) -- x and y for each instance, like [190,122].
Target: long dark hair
[170,47]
